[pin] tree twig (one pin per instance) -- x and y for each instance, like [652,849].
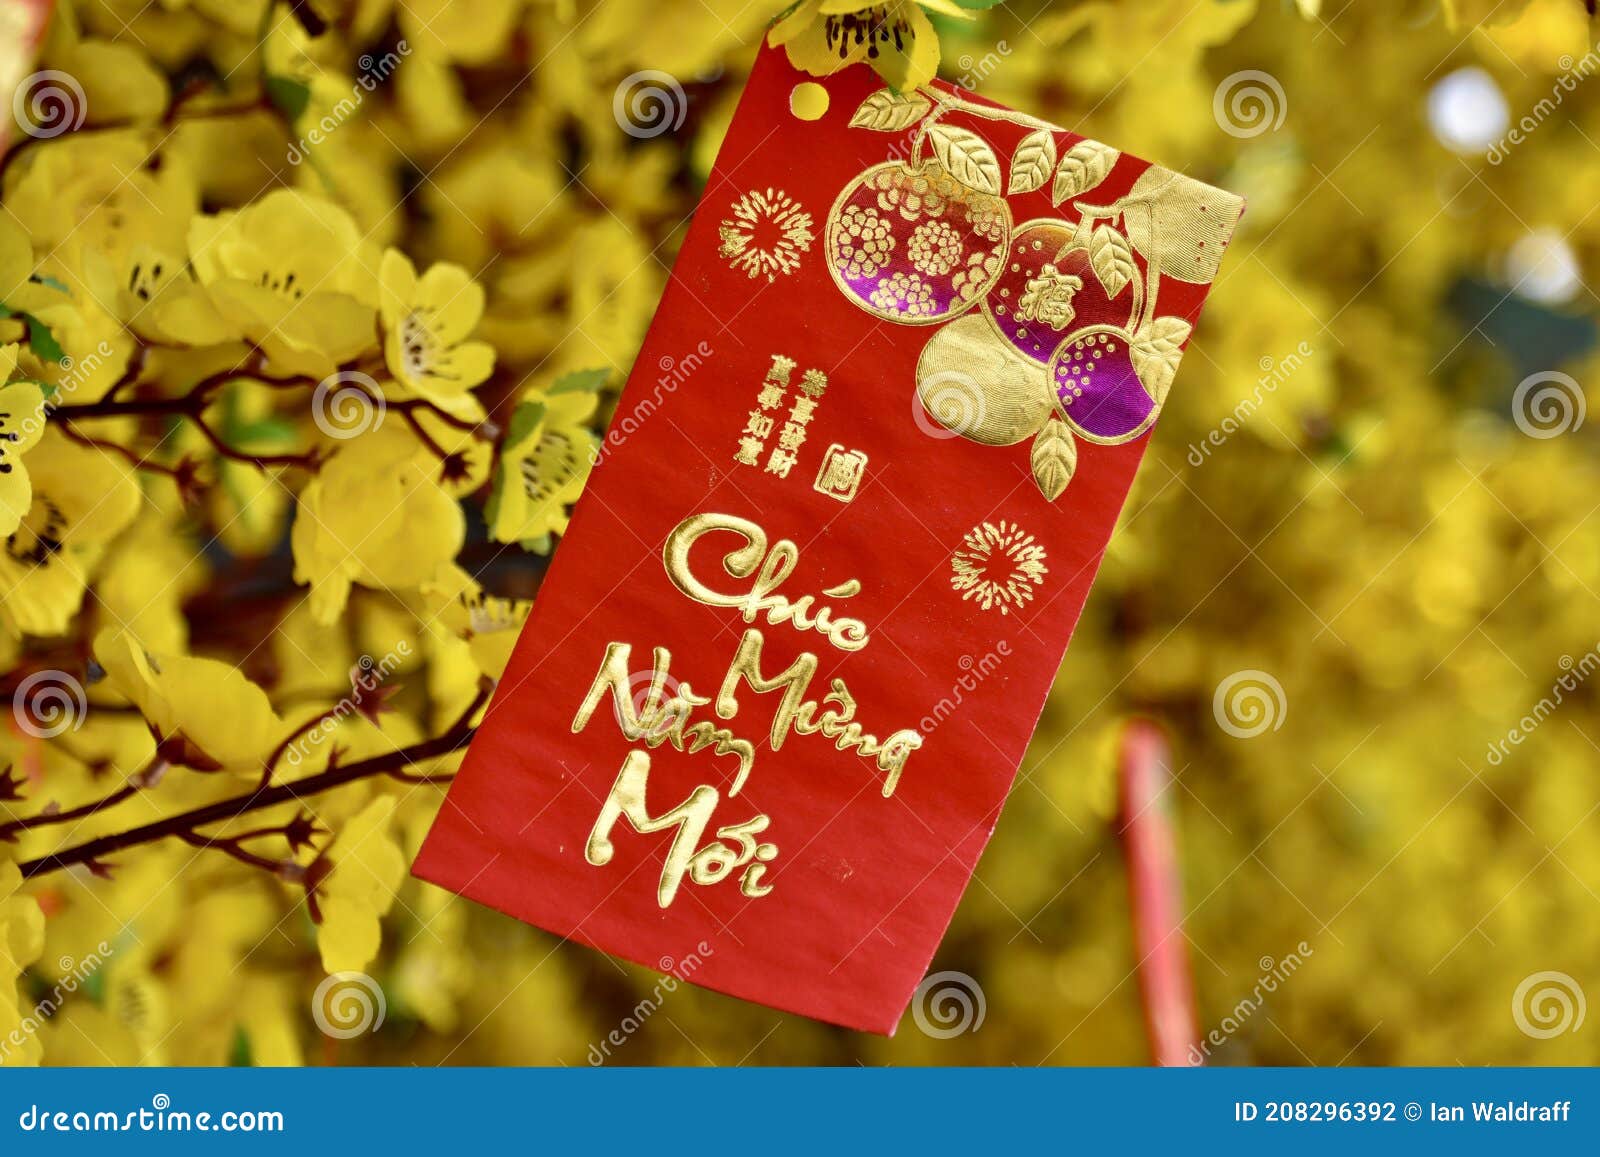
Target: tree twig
[136,783]
[183,825]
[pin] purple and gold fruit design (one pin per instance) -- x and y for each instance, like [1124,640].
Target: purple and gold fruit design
[1098,393]
[914,245]
[1048,289]
[972,383]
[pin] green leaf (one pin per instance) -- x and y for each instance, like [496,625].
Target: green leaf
[42,342]
[491,508]
[94,986]
[979,5]
[51,282]
[240,1055]
[525,420]
[289,95]
[580,380]
[270,431]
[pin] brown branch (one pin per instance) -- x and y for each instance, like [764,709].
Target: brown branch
[149,777]
[289,741]
[182,475]
[235,850]
[308,461]
[422,435]
[406,777]
[186,822]
[192,405]
[133,371]
[183,825]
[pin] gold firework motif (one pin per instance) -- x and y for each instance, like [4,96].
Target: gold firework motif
[998,565]
[766,234]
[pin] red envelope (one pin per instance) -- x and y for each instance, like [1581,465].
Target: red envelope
[787,659]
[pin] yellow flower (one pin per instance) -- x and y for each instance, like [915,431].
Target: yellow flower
[98,193]
[22,422]
[896,39]
[373,515]
[353,886]
[426,323]
[16,260]
[292,272]
[120,84]
[488,626]
[82,499]
[205,713]
[91,347]
[26,301]
[433,973]
[21,942]
[546,459]
[468,31]
[468,457]
[1470,13]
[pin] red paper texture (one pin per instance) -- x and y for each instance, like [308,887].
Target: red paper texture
[931,346]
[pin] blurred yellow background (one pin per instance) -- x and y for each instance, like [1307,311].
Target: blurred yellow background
[1372,492]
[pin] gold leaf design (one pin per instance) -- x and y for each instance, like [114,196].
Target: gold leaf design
[1032,162]
[1179,224]
[966,157]
[1054,457]
[1155,351]
[1112,259]
[888,111]
[1085,166]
